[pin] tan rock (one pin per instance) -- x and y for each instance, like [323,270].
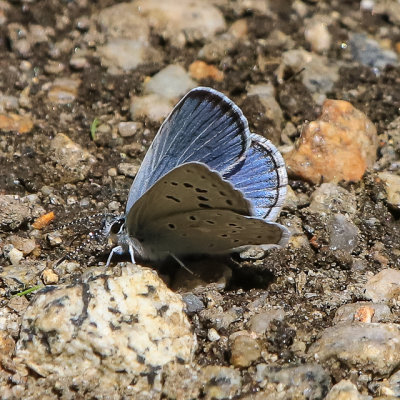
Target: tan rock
[200,70]
[340,145]
[15,123]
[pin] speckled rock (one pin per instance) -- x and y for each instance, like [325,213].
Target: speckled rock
[15,123]
[123,21]
[172,82]
[345,390]
[331,198]
[220,382]
[392,186]
[377,312]
[22,275]
[384,286]
[126,326]
[182,22]
[295,381]
[343,234]
[373,347]
[73,163]
[128,169]
[14,211]
[341,144]
[182,382]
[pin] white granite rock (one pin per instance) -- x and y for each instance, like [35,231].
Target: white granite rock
[131,325]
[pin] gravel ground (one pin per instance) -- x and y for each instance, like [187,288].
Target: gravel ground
[83,89]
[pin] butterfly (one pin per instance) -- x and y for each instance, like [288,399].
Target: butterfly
[206,186]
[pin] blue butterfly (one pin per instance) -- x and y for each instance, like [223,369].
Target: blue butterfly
[206,186]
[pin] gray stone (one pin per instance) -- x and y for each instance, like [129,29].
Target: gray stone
[373,347]
[331,198]
[109,327]
[343,234]
[193,303]
[368,52]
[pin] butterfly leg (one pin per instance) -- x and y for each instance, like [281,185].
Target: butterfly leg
[181,263]
[116,250]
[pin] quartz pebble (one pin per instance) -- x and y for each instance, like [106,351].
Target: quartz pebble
[340,145]
[109,327]
[260,323]
[378,312]
[172,82]
[129,129]
[317,34]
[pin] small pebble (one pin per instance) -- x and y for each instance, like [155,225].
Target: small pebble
[128,129]
[343,234]
[244,351]
[128,169]
[63,90]
[49,277]
[392,186]
[213,335]
[200,70]
[13,254]
[363,311]
[317,34]
[154,107]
